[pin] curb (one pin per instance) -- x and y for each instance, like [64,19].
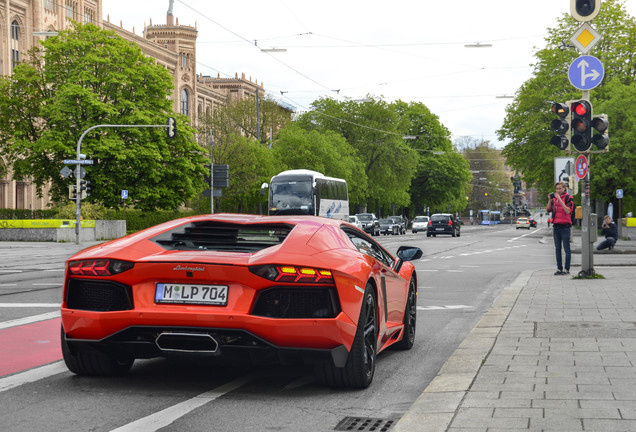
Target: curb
[437,406]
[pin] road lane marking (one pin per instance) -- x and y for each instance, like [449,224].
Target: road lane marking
[29,319]
[449,307]
[167,416]
[12,381]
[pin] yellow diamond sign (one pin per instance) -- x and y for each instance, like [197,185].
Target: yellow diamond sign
[585,38]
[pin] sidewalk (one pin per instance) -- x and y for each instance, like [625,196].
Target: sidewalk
[553,353]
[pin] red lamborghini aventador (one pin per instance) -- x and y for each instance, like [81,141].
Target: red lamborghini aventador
[267,289]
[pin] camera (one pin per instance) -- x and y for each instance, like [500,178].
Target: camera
[552,195]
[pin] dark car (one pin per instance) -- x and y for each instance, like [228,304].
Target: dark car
[401,222]
[533,223]
[443,223]
[388,226]
[370,224]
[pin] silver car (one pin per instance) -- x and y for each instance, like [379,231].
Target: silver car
[419,224]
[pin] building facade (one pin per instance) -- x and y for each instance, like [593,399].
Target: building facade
[173,46]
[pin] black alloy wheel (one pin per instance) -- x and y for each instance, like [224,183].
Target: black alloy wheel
[410,318]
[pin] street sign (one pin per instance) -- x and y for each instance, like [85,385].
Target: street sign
[585,38]
[124,194]
[78,161]
[563,167]
[66,172]
[619,193]
[586,72]
[581,167]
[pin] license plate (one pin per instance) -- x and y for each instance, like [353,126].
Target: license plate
[191,294]
[439,229]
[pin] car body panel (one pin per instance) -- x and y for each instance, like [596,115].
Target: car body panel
[523,223]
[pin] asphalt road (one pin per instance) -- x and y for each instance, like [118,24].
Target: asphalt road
[458,280]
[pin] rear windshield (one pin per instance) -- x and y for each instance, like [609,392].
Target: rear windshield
[219,236]
[386,221]
[365,217]
[420,219]
[437,218]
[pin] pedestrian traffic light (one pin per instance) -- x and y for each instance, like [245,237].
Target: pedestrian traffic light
[581,125]
[561,125]
[171,127]
[584,10]
[600,123]
[85,188]
[72,192]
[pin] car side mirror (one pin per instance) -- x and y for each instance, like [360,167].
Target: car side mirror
[407,253]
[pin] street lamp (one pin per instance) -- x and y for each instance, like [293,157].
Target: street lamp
[478,45]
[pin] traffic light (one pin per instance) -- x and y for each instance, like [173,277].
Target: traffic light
[581,124]
[72,192]
[584,10]
[171,128]
[561,125]
[600,123]
[85,188]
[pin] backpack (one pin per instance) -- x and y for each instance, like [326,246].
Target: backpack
[568,200]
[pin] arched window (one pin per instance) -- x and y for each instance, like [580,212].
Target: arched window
[15,44]
[185,102]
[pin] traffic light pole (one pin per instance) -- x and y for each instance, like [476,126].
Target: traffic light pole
[78,198]
[587,237]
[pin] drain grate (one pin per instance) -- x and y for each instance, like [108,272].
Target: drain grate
[364,424]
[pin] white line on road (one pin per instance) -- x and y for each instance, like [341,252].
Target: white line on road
[165,417]
[10,271]
[36,374]
[30,319]
[46,284]
[449,307]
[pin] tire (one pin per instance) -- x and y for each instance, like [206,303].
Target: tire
[454,233]
[458,233]
[360,367]
[93,362]
[428,234]
[410,318]
[414,231]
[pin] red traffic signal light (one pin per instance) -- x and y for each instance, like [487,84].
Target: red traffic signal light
[581,124]
[560,125]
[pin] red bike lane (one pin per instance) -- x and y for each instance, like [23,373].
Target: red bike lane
[30,345]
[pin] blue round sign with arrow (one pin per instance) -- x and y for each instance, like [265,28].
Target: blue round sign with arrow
[586,72]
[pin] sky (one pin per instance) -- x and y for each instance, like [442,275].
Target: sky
[412,50]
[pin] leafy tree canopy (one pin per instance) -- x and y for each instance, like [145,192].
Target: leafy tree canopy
[84,77]
[527,122]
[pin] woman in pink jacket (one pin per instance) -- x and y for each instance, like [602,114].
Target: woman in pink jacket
[561,205]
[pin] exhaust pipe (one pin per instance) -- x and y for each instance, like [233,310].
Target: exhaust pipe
[187,342]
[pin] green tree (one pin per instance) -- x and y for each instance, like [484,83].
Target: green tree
[371,128]
[326,152]
[489,175]
[84,77]
[526,125]
[437,158]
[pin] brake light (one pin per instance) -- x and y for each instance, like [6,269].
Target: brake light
[450,222]
[99,267]
[430,223]
[293,274]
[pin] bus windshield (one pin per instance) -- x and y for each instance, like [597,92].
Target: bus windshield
[291,196]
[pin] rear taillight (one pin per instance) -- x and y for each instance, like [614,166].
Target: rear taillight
[293,274]
[450,222]
[430,223]
[98,267]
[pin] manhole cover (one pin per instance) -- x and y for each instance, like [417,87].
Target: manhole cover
[364,424]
